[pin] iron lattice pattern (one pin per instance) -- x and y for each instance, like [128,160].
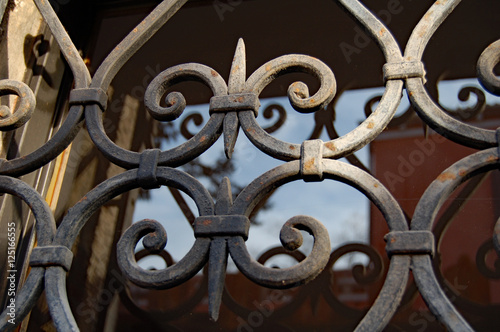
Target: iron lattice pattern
[222,227]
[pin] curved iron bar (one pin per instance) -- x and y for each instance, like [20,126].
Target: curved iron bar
[325,118]
[181,154]
[462,114]
[376,29]
[424,216]
[110,67]
[298,92]
[465,305]
[382,310]
[175,101]
[79,214]
[471,112]
[196,118]
[72,124]
[481,265]
[155,239]
[9,119]
[291,239]
[397,121]
[333,134]
[485,68]
[464,94]
[359,272]
[134,41]
[268,113]
[428,110]
[80,72]
[226,101]
[320,286]
[361,135]
[279,310]
[32,288]
[161,315]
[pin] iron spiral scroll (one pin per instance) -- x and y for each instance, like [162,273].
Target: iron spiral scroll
[222,227]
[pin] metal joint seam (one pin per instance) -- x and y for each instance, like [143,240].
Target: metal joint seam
[225,225]
[404,70]
[51,256]
[146,174]
[410,243]
[89,96]
[235,102]
[311,160]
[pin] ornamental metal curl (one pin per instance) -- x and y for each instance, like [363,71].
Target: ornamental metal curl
[26,105]
[320,287]
[160,315]
[485,68]
[72,124]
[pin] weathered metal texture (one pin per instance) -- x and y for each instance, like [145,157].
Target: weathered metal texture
[14,119]
[485,68]
[423,219]
[428,110]
[382,310]
[223,227]
[71,126]
[32,288]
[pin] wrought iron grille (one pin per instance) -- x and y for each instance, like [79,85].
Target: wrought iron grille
[223,224]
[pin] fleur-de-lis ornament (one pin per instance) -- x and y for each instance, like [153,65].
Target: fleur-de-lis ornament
[222,228]
[238,102]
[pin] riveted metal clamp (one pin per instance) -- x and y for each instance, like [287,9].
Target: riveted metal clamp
[146,174]
[235,102]
[89,96]
[228,225]
[410,242]
[404,70]
[51,256]
[311,160]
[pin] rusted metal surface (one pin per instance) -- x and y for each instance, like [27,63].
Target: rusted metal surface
[222,227]
[9,119]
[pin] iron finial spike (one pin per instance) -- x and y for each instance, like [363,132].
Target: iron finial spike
[231,128]
[216,275]
[236,84]
[237,76]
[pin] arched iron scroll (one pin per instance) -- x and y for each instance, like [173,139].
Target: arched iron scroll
[45,228]
[222,228]
[13,119]
[423,219]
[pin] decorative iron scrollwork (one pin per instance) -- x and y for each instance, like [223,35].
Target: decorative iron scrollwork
[46,228]
[485,68]
[423,218]
[14,119]
[223,225]
[431,113]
